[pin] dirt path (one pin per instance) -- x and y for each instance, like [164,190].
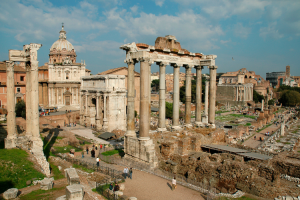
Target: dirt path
[146,186]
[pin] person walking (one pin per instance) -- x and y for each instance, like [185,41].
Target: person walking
[125,172]
[130,173]
[111,187]
[82,154]
[116,191]
[87,150]
[96,147]
[174,184]
[98,161]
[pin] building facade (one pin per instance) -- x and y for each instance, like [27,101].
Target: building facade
[64,75]
[103,102]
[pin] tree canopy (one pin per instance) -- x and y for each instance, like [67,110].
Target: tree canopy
[290,98]
[155,83]
[21,109]
[257,97]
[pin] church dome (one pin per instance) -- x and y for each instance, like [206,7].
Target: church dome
[62,42]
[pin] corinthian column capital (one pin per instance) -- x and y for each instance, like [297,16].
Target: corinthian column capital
[176,65]
[10,66]
[213,67]
[162,64]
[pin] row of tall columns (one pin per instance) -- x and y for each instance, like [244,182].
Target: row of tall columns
[246,95]
[145,97]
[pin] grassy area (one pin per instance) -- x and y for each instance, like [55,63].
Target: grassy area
[112,152]
[286,143]
[248,124]
[40,194]
[295,131]
[57,174]
[240,115]
[15,169]
[83,168]
[66,149]
[86,142]
[277,140]
[221,111]
[59,138]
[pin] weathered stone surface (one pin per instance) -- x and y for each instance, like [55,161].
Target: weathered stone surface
[74,192]
[46,184]
[72,176]
[64,197]
[10,193]
[132,198]
[28,182]
[122,187]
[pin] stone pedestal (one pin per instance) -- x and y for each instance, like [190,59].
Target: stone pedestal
[11,193]
[72,176]
[74,192]
[142,148]
[46,184]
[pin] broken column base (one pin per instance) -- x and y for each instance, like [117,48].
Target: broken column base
[211,125]
[141,148]
[46,184]
[205,119]
[10,143]
[199,124]
[188,125]
[74,192]
[176,128]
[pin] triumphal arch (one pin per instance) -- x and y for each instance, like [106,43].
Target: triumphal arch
[167,51]
[32,139]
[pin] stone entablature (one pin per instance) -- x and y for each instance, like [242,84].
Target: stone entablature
[103,102]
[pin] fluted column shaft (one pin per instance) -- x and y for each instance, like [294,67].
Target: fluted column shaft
[97,106]
[188,94]
[198,93]
[130,99]
[11,114]
[34,99]
[206,98]
[212,94]
[28,100]
[176,95]
[162,96]
[144,98]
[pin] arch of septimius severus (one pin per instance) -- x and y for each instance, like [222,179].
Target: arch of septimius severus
[167,51]
[32,139]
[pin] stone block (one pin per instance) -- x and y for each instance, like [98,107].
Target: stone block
[10,193]
[9,143]
[119,193]
[132,198]
[64,197]
[122,187]
[72,176]
[46,184]
[74,192]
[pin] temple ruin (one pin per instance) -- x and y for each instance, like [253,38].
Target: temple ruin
[167,51]
[32,140]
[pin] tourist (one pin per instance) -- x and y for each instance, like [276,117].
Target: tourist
[100,146]
[82,154]
[116,190]
[87,150]
[96,147]
[98,161]
[111,187]
[125,172]
[174,184]
[130,173]
[93,153]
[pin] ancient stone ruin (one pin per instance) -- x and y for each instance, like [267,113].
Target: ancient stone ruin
[32,140]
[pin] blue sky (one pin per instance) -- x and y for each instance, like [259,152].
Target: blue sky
[261,35]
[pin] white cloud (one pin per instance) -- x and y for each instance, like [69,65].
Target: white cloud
[159,2]
[270,31]
[241,31]
[225,41]
[134,8]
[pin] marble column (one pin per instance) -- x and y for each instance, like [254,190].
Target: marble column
[205,117]
[175,96]
[81,107]
[98,125]
[237,93]
[212,95]
[150,63]
[244,93]
[28,100]
[144,99]
[105,121]
[34,99]
[188,94]
[262,105]
[162,97]
[198,94]
[130,100]
[86,108]
[11,114]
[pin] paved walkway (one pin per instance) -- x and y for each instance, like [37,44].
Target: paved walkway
[147,187]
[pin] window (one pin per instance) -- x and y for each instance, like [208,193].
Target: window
[67,75]
[22,78]
[18,89]
[54,60]
[59,74]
